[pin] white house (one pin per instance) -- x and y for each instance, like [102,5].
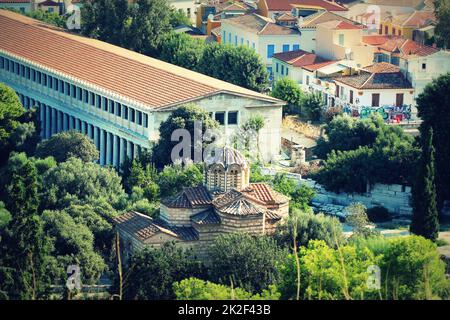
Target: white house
[378,88]
[23,6]
[262,34]
[188,7]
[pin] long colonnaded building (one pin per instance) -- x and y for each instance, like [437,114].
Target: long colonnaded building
[116,96]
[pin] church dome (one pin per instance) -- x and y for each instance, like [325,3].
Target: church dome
[227,156]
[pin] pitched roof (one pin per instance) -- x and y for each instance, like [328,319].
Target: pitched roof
[143,227]
[286,5]
[189,198]
[260,25]
[417,19]
[340,25]
[298,58]
[286,17]
[313,20]
[227,156]
[400,46]
[139,79]
[48,3]
[316,66]
[378,76]
[241,207]
[264,194]
[209,216]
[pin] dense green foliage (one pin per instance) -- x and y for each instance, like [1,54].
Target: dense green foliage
[173,179]
[65,145]
[197,289]
[435,113]
[442,30]
[152,272]
[364,152]
[182,118]
[425,220]
[182,50]
[246,261]
[288,90]
[312,105]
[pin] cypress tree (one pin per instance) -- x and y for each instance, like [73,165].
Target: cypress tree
[425,220]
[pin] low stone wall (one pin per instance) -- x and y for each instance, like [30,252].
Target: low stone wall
[396,198]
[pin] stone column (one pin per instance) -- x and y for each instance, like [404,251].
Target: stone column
[42,120]
[130,149]
[109,147]
[89,131]
[122,155]
[59,123]
[48,120]
[116,151]
[71,124]
[77,125]
[102,147]
[54,120]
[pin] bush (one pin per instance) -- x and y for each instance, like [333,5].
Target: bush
[378,214]
[331,113]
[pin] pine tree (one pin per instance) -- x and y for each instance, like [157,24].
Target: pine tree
[425,214]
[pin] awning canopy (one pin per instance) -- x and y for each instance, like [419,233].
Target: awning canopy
[332,68]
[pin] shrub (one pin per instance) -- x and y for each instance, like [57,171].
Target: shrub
[378,214]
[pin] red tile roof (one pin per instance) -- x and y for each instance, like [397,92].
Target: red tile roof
[382,67]
[286,5]
[298,58]
[189,198]
[313,67]
[313,20]
[264,193]
[260,25]
[340,25]
[397,45]
[142,80]
[417,19]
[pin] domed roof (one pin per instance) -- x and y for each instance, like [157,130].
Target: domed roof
[227,156]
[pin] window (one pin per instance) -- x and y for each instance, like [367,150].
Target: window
[296,47]
[386,29]
[86,96]
[242,41]
[56,84]
[424,66]
[375,99]
[270,50]
[277,67]
[285,47]
[125,112]
[253,45]
[287,71]
[393,31]
[399,99]
[220,117]
[145,120]
[337,90]
[229,37]
[399,32]
[98,101]
[235,41]
[139,118]
[224,37]
[132,115]
[73,91]
[79,94]
[351,96]
[50,10]
[282,69]
[341,39]
[92,98]
[380,31]
[307,81]
[111,106]
[39,77]
[105,104]
[232,117]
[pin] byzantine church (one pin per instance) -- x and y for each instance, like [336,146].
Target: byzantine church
[226,203]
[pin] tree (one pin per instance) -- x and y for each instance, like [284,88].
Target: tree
[105,20]
[307,226]
[173,179]
[288,90]
[425,220]
[145,178]
[197,289]
[150,21]
[412,269]
[442,30]
[77,182]
[10,111]
[248,261]
[255,124]
[182,118]
[68,144]
[73,244]
[312,104]
[436,115]
[301,195]
[182,50]
[25,260]
[357,218]
[238,65]
[179,18]
[151,272]
[328,274]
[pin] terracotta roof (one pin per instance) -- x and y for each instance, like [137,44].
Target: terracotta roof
[142,80]
[400,46]
[143,227]
[286,5]
[225,198]
[48,3]
[298,58]
[241,207]
[313,67]
[208,216]
[339,25]
[260,25]
[227,156]
[189,198]
[286,17]
[378,76]
[323,4]
[264,194]
[313,20]
[417,19]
